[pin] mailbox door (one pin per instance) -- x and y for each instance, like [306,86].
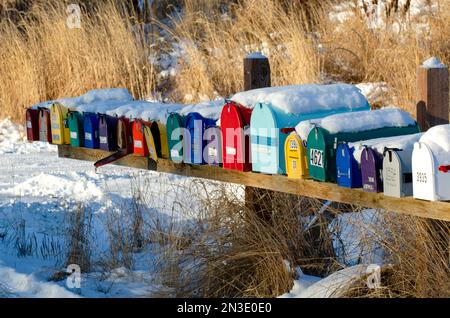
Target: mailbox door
[213,148]
[45,129]
[423,167]
[344,157]
[295,156]
[59,126]
[150,143]
[140,145]
[32,124]
[393,182]
[91,136]
[108,133]
[234,122]
[76,130]
[175,127]
[264,140]
[164,141]
[371,171]
[154,128]
[125,135]
[317,154]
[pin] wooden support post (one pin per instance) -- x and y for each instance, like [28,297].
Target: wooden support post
[256,75]
[433,109]
[432,97]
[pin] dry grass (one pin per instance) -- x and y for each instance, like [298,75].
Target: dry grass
[216,43]
[418,251]
[42,59]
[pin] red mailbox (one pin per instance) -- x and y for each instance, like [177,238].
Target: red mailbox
[32,118]
[139,141]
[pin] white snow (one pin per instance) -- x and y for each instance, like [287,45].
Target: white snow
[306,99]
[12,140]
[438,139]
[119,102]
[433,62]
[358,121]
[256,55]
[376,92]
[15,284]
[330,287]
[400,142]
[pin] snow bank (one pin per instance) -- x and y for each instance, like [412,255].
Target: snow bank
[438,139]
[306,99]
[332,286]
[118,101]
[93,96]
[433,62]
[13,140]
[399,142]
[358,121]
[71,186]
[27,285]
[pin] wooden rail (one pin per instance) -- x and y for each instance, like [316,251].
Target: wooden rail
[308,188]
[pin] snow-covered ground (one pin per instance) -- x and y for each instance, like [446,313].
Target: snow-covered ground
[39,193]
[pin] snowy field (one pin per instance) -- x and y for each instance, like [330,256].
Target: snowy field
[39,192]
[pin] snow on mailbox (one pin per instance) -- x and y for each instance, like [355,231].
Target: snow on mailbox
[431,165]
[90,126]
[278,109]
[326,134]
[32,124]
[59,126]
[76,129]
[175,135]
[45,126]
[235,123]
[107,130]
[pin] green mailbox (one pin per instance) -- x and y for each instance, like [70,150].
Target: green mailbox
[327,133]
[76,128]
[175,133]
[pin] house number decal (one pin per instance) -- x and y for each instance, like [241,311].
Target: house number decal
[421,177]
[316,158]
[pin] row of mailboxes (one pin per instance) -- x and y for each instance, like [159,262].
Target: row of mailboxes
[322,144]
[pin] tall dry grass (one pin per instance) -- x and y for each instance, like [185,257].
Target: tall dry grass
[391,53]
[216,40]
[41,58]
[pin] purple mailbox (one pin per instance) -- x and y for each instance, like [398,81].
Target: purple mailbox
[371,170]
[108,132]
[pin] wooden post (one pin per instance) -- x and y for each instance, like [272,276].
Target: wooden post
[256,75]
[433,109]
[432,96]
[256,72]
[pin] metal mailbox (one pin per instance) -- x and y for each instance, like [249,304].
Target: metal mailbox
[175,136]
[59,125]
[348,169]
[76,128]
[107,130]
[45,126]
[431,165]
[295,154]
[323,143]
[196,124]
[371,170]
[91,133]
[32,124]
[213,148]
[235,123]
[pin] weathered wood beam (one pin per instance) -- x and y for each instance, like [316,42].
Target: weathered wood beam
[308,187]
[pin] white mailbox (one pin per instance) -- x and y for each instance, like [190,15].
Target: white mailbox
[431,165]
